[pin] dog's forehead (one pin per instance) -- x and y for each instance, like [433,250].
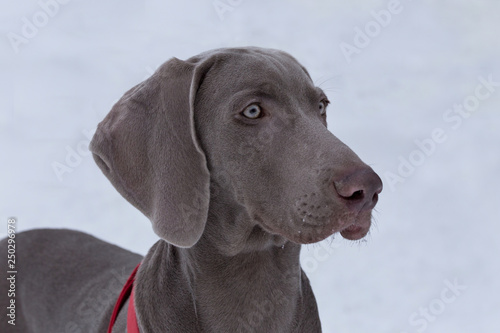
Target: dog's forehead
[237,69]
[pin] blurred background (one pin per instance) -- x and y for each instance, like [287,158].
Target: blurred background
[415,92]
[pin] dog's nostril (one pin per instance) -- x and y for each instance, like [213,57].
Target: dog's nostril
[349,192]
[357,195]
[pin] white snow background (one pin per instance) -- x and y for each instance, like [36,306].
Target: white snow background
[437,227]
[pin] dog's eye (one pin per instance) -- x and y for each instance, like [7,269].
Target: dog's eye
[252,112]
[322,106]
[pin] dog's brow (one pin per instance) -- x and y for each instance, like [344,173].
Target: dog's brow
[267,90]
[240,98]
[320,92]
[314,94]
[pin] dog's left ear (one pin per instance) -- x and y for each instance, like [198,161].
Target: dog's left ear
[148,149]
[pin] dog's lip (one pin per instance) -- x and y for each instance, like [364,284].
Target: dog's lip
[355,231]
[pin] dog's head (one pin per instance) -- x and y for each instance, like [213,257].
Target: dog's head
[237,135]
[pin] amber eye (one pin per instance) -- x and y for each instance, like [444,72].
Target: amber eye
[252,112]
[322,107]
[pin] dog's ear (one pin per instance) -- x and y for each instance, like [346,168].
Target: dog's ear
[147,147]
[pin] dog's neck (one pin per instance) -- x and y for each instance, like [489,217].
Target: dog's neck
[250,292]
[255,285]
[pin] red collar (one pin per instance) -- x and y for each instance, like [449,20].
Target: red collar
[127,291]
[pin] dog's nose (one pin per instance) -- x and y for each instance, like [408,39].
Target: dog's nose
[359,189]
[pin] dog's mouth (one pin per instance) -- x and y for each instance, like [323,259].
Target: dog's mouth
[356,231]
[317,219]
[359,227]
[353,228]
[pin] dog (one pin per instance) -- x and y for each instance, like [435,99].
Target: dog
[228,154]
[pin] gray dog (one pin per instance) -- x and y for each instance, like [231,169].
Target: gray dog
[229,156]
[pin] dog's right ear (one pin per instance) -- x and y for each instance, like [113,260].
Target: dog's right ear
[148,148]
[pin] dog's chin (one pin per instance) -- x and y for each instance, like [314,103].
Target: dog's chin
[353,230]
[306,234]
[350,227]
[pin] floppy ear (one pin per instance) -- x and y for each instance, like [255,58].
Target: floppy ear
[148,149]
